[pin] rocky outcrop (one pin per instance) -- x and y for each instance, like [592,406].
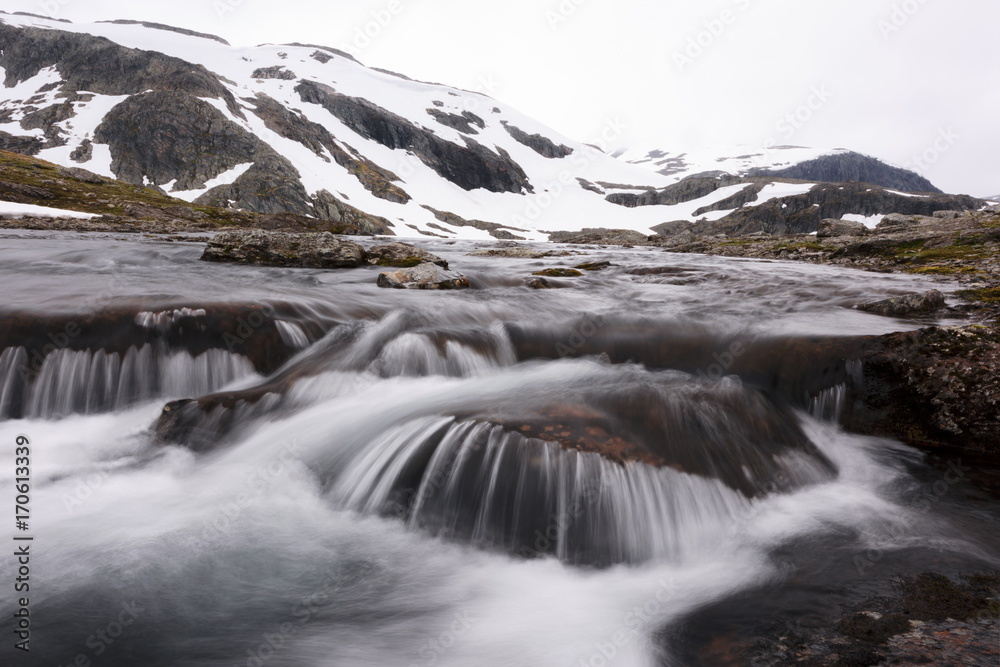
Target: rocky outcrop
[295,126]
[329,207]
[275,72]
[172,136]
[802,214]
[832,228]
[689,189]
[471,166]
[935,386]
[600,237]
[843,167]
[83,153]
[266,248]
[463,123]
[98,65]
[494,229]
[402,255]
[519,252]
[25,145]
[425,276]
[907,304]
[169,28]
[537,142]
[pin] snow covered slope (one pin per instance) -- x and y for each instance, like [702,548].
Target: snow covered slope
[54,108]
[309,130]
[813,164]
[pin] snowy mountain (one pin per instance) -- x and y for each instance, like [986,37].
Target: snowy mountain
[309,130]
[836,165]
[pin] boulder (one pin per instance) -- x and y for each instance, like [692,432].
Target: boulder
[899,220]
[948,215]
[537,282]
[906,304]
[267,248]
[402,255]
[423,276]
[830,228]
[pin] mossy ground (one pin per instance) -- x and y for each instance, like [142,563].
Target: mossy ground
[109,197]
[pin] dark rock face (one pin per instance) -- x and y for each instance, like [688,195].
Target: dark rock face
[275,72]
[315,137]
[463,123]
[831,228]
[495,230]
[169,28]
[20,144]
[470,167]
[689,189]
[165,136]
[936,386]
[265,248]
[329,207]
[83,153]
[402,255]
[96,64]
[852,167]
[906,304]
[538,143]
[45,119]
[424,276]
[802,214]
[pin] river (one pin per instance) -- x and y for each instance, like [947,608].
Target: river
[374,484]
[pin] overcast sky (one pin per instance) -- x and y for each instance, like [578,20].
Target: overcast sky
[914,82]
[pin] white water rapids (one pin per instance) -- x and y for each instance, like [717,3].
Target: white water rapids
[380,512]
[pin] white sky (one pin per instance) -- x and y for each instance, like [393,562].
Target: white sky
[930,87]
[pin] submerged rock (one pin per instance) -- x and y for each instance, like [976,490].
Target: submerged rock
[402,255]
[905,305]
[423,276]
[265,248]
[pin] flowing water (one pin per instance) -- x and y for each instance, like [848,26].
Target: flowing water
[382,477]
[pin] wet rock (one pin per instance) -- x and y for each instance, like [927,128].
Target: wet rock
[266,248]
[537,282]
[905,305]
[521,252]
[932,387]
[832,228]
[423,276]
[593,266]
[558,273]
[402,255]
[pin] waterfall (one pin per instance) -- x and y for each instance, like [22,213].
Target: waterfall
[92,381]
[477,482]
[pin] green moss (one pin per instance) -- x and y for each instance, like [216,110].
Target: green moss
[941,270]
[987,294]
[558,273]
[593,266]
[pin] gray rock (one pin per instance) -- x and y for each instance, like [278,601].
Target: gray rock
[905,305]
[80,174]
[831,228]
[266,248]
[275,72]
[402,255]
[947,215]
[423,276]
[517,251]
[897,220]
[536,142]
